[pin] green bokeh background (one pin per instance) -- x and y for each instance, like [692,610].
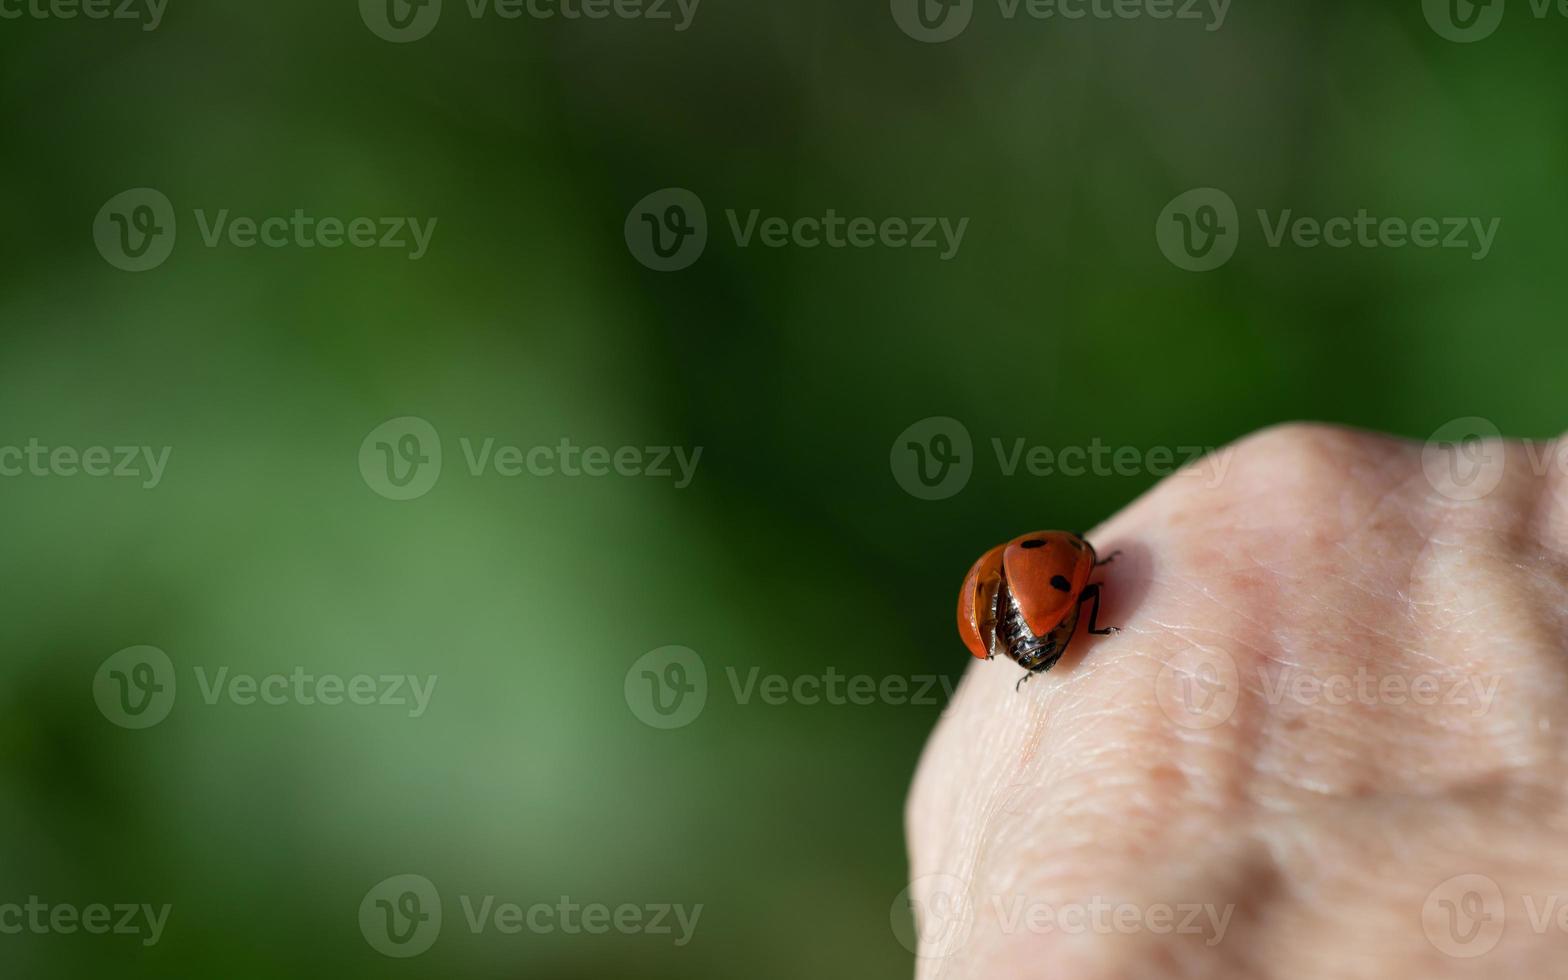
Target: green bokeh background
[794,550]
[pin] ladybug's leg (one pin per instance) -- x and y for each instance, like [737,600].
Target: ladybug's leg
[1107,559]
[1092,594]
[1047,665]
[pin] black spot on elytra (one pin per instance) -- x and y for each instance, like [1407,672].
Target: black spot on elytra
[1061,584]
[1033,543]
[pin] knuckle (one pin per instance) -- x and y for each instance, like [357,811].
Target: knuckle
[1297,475]
[1301,449]
[1300,462]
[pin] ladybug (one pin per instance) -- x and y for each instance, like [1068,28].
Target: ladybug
[1022,598]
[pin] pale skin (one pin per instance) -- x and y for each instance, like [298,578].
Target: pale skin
[1338,686]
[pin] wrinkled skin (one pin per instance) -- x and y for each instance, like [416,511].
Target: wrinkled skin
[1188,761]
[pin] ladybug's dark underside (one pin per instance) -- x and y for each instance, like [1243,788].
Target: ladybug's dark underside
[1038,654]
[1034,653]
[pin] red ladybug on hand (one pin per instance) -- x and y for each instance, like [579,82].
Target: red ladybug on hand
[1022,598]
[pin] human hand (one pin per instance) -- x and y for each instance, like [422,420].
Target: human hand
[1339,696]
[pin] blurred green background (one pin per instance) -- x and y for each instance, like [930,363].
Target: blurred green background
[795,549]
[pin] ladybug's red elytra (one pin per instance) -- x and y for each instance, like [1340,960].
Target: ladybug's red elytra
[1022,598]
